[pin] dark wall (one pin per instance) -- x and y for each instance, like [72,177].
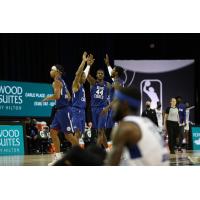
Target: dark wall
[28,57]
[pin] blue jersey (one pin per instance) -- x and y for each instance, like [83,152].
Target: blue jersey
[99,94]
[120,82]
[63,100]
[182,112]
[78,99]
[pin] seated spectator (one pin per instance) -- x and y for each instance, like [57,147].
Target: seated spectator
[44,140]
[32,136]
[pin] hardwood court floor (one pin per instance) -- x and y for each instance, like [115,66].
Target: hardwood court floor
[178,159]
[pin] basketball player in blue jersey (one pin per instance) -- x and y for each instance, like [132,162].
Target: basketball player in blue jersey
[99,91]
[62,119]
[136,140]
[115,74]
[78,99]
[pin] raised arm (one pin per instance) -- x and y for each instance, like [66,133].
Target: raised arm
[76,82]
[90,62]
[145,88]
[107,62]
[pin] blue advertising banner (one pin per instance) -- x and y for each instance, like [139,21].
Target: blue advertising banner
[25,99]
[196,138]
[11,140]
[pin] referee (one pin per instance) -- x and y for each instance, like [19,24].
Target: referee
[171,124]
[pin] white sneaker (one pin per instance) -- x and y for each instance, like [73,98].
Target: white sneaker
[56,157]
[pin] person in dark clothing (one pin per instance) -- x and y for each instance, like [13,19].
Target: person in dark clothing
[150,113]
[32,136]
[171,124]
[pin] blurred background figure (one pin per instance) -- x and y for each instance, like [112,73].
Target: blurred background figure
[32,136]
[136,140]
[182,121]
[44,139]
[150,113]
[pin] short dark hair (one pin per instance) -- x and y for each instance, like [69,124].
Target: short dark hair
[119,70]
[132,92]
[179,97]
[101,70]
[60,68]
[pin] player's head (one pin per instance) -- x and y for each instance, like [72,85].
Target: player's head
[187,104]
[56,70]
[100,75]
[126,101]
[173,102]
[83,78]
[178,99]
[117,72]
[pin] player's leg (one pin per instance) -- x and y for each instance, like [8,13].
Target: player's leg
[101,129]
[55,139]
[71,138]
[94,111]
[76,122]
[171,137]
[109,125]
[54,129]
[67,127]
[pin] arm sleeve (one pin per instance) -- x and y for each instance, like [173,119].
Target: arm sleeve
[87,69]
[167,110]
[110,71]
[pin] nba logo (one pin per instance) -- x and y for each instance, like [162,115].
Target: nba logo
[151,90]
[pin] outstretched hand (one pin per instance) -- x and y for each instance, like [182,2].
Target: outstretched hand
[85,57]
[90,60]
[106,60]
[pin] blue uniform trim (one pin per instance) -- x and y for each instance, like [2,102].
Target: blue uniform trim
[134,152]
[63,101]
[78,98]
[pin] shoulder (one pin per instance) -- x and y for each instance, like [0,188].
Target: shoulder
[127,127]
[57,83]
[129,131]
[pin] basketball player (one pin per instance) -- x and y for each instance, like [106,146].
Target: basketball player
[99,91]
[136,139]
[182,120]
[62,119]
[78,99]
[115,74]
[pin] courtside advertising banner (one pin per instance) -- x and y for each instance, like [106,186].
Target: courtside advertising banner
[25,99]
[196,138]
[11,140]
